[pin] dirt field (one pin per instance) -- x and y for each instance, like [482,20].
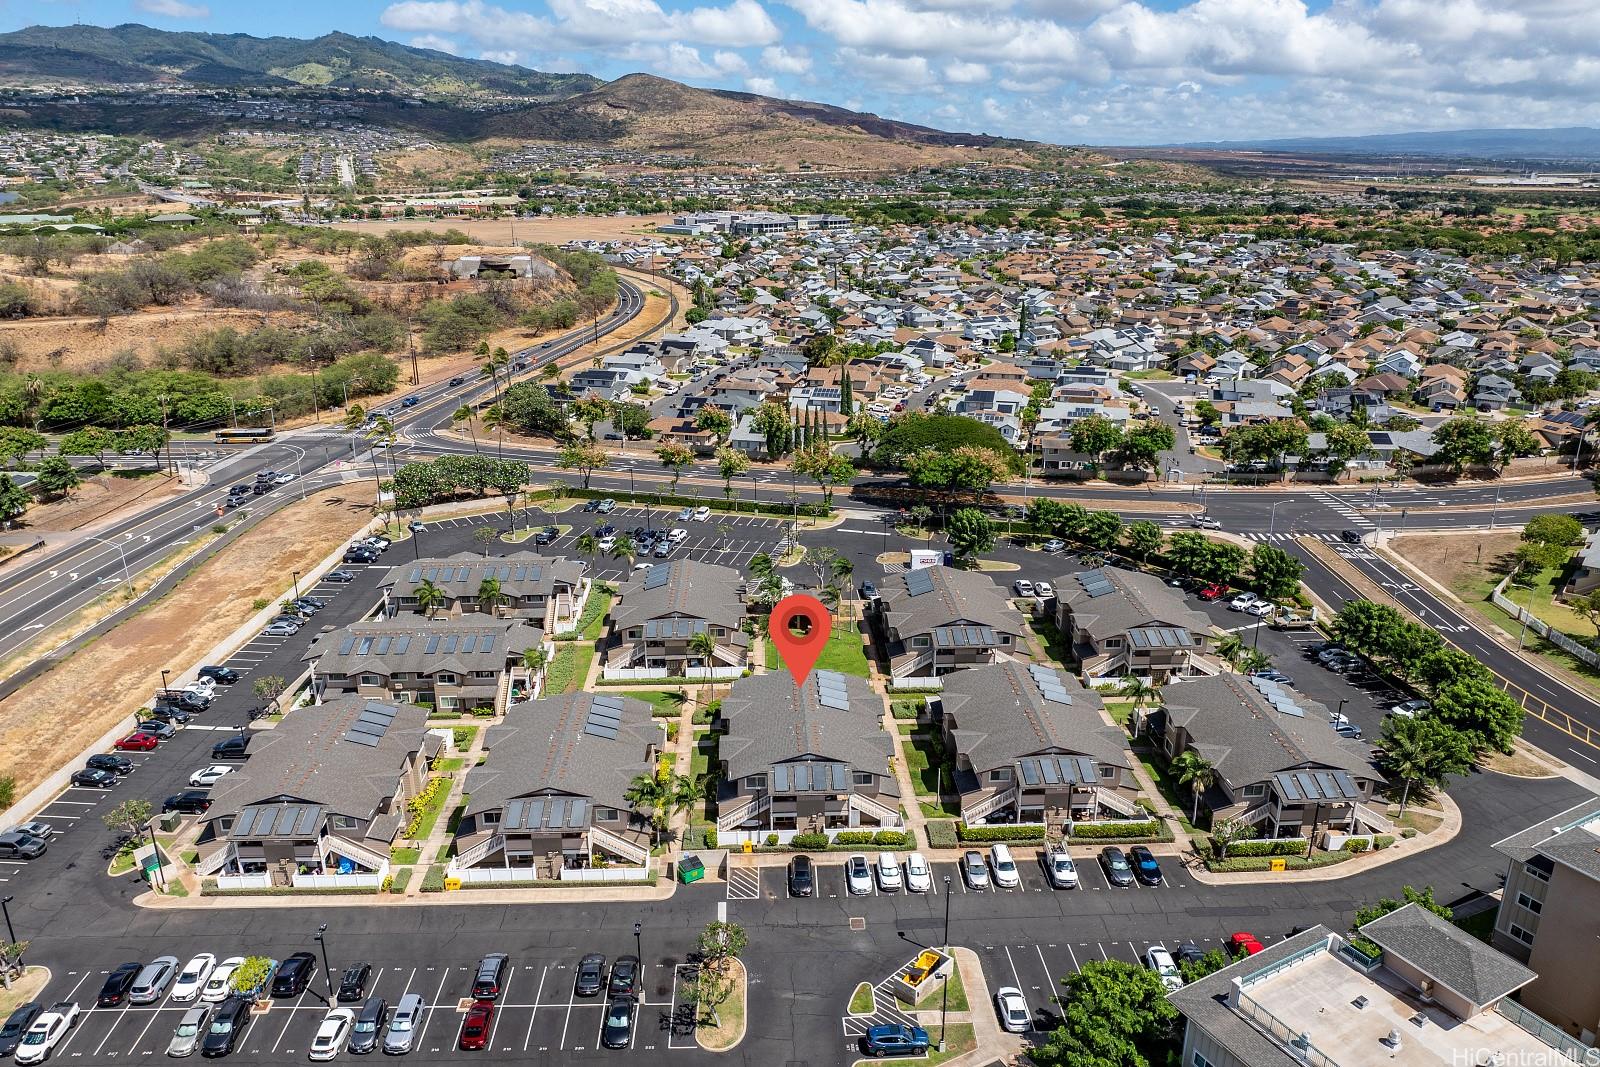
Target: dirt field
[98,498]
[1464,564]
[48,722]
[552,231]
[79,344]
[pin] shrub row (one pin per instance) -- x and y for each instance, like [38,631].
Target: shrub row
[942,833]
[1152,830]
[417,806]
[758,507]
[208,888]
[637,682]
[999,833]
[1240,864]
[862,837]
[433,881]
[1271,847]
[546,883]
[399,880]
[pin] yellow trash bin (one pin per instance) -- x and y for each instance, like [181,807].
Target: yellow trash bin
[452,884]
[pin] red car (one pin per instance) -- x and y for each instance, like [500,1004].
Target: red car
[1213,592]
[139,742]
[1244,944]
[475,1028]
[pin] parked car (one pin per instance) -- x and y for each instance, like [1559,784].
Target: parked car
[220,675]
[1261,609]
[617,1030]
[802,877]
[46,1032]
[1022,587]
[1006,875]
[35,828]
[369,1023]
[1115,865]
[17,1024]
[280,629]
[186,1038]
[919,878]
[1044,589]
[231,748]
[1012,1008]
[192,978]
[353,982]
[340,576]
[206,777]
[93,778]
[1205,522]
[606,506]
[678,535]
[229,1020]
[114,990]
[1055,544]
[1243,943]
[153,980]
[1410,708]
[1145,867]
[547,535]
[22,847]
[857,876]
[591,975]
[360,554]
[476,1026]
[161,731]
[491,970]
[1159,960]
[167,713]
[591,505]
[332,1034]
[701,513]
[109,761]
[626,978]
[1060,870]
[188,802]
[1189,952]
[1344,727]
[1350,537]
[888,870]
[1214,591]
[974,870]
[896,1039]
[1241,602]
[403,1025]
[139,741]
[217,987]
[294,974]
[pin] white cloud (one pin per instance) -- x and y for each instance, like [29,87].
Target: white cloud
[174,9]
[899,27]
[587,23]
[763,87]
[677,60]
[963,73]
[895,74]
[786,60]
[505,55]
[437,43]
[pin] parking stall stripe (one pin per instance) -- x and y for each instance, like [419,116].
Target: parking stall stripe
[155,1012]
[572,1000]
[433,1007]
[292,1009]
[119,1012]
[505,993]
[538,995]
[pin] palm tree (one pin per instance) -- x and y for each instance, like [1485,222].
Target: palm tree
[1139,689]
[490,595]
[589,545]
[843,572]
[465,414]
[703,645]
[1230,648]
[534,661]
[1252,660]
[429,597]
[761,565]
[354,416]
[625,550]
[1196,772]
[659,798]
[494,419]
[493,363]
[1420,752]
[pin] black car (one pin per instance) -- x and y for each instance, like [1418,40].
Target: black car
[94,779]
[1189,952]
[231,748]
[360,555]
[262,488]
[869,591]
[183,700]
[167,713]
[242,489]
[591,975]
[459,379]
[1350,537]
[228,1021]
[339,577]
[491,969]
[1115,864]
[546,535]
[367,1031]
[353,982]
[309,605]
[16,1027]
[409,402]
[294,974]
[220,675]
[617,1031]
[107,761]
[117,984]
[1145,867]
[189,802]
[625,977]
[802,877]
[591,505]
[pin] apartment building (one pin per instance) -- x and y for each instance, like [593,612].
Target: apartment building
[467,662]
[661,611]
[1121,622]
[547,592]
[937,619]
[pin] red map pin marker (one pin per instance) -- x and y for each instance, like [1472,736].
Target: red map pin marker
[799,626]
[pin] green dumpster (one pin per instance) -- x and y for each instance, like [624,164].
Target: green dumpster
[690,869]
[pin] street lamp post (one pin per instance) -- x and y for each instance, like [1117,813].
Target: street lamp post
[944,1008]
[294,577]
[638,939]
[1272,518]
[11,933]
[127,575]
[164,674]
[327,975]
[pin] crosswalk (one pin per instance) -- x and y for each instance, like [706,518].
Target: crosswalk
[1343,508]
[1278,538]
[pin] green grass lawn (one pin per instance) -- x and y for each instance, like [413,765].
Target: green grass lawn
[593,619]
[1179,797]
[861,1000]
[566,672]
[844,653]
[1481,925]
[1054,646]
[430,814]
[399,855]
[660,701]
[921,754]
[958,994]
[449,763]
[701,761]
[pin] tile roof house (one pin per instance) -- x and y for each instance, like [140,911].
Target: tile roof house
[324,792]
[546,591]
[465,662]
[809,758]
[1032,745]
[1279,764]
[553,791]
[659,611]
[1128,622]
[938,619]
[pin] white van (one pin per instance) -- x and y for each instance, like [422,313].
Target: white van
[1005,868]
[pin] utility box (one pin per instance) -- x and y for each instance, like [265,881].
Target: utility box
[690,869]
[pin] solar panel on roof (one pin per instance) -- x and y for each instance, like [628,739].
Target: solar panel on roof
[382,648]
[307,820]
[380,711]
[521,570]
[657,576]
[1030,772]
[432,645]
[416,572]
[558,810]
[468,642]
[609,702]
[505,573]
[1052,773]
[535,815]
[802,776]
[534,573]
[829,699]
[402,643]
[431,573]
[780,778]
[516,811]
[575,812]
[287,817]
[364,647]
[449,644]
[919,582]
[347,645]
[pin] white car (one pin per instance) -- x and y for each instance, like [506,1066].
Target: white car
[1063,873]
[332,1034]
[193,978]
[858,876]
[206,687]
[1044,589]
[1161,962]
[206,777]
[702,513]
[1022,587]
[1006,875]
[46,1032]
[1260,609]
[1242,601]
[217,987]
[1205,522]
[919,879]
[889,880]
[285,478]
[678,534]
[608,542]
[1012,1007]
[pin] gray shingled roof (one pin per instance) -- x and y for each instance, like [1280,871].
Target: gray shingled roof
[1524,845]
[771,721]
[1136,600]
[519,574]
[309,757]
[956,596]
[542,746]
[412,644]
[693,590]
[1248,740]
[1205,1003]
[1448,954]
[1002,716]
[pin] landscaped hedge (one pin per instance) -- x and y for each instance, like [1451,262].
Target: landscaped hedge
[546,883]
[870,837]
[208,888]
[1240,864]
[942,833]
[433,881]
[1382,841]
[637,682]
[809,509]
[906,709]
[1154,829]
[806,842]
[1269,847]
[999,833]
[399,880]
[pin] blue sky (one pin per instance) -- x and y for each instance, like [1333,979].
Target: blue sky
[1068,71]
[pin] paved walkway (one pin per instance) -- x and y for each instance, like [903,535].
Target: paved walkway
[439,836]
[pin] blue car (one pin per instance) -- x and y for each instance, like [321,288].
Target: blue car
[896,1040]
[409,402]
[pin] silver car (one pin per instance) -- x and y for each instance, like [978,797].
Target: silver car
[403,1025]
[186,1038]
[975,870]
[152,983]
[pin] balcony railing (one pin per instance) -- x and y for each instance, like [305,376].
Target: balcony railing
[482,850]
[988,805]
[604,839]
[733,818]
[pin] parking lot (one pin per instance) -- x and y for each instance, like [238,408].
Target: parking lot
[538,1012]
